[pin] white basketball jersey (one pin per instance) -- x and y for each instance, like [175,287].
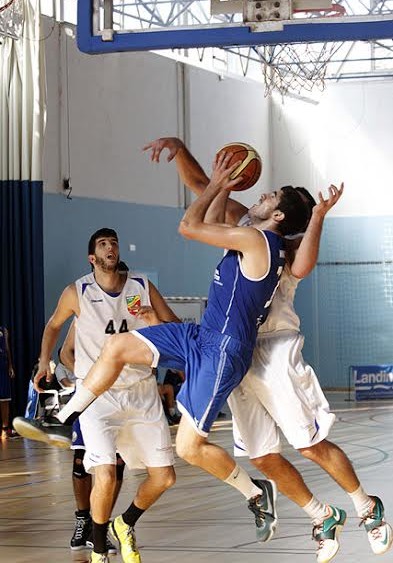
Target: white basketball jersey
[282,314]
[102,315]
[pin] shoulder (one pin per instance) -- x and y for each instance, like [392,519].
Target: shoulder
[138,278]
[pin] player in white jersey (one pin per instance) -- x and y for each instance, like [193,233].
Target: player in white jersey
[129,417]
[282,391]
[216,354]
[82,537]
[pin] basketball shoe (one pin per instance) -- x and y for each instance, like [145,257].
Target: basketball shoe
[99,557]
[379,532]
[49,430]
[81,538]
[326,534]
[125,535]
[264,508]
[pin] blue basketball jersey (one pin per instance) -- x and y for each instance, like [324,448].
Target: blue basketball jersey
[238,305]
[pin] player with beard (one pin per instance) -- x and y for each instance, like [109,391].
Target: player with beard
[129,418]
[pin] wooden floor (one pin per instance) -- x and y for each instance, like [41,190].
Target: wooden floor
[200,520]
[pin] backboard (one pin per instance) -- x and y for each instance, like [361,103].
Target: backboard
[130,25]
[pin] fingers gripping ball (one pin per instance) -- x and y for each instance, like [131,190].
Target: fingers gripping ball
[250,168]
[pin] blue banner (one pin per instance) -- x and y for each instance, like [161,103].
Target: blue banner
[373,382]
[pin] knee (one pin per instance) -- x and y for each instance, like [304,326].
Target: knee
[168,478]
[314,453]
[189,452]
[120,466]
[78,469]
[113,347]
[105,478]
[266,462]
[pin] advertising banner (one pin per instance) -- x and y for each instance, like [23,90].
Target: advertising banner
[373,382]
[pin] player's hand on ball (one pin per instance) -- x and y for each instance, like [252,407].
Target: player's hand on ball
[222,170]
[173,144]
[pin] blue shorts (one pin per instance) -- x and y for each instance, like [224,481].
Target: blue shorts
[77,438]
[214,364]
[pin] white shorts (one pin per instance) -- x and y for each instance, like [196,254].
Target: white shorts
[128,421]
[279,390]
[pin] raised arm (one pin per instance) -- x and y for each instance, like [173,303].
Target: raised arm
[246,240]
[191,173]
[306,256]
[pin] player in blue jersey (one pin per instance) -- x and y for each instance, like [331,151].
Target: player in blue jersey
[216,354]
[281,391]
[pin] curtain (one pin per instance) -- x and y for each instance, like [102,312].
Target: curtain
[22,124]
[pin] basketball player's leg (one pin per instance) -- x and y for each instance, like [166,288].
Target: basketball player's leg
[144,442]
[256,435]
[291,393]
[158,480]
[210,378]
[369,508]
[118,350]
[100,427]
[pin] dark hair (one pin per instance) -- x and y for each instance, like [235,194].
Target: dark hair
[104,232]
[122,267]
[308,198]
[296,211]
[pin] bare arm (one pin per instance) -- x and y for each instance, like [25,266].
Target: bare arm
[67,306]
[246,240]
[161,307]
[192,174]
[67,352]
[306,256]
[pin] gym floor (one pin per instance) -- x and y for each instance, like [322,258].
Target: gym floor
[200,519]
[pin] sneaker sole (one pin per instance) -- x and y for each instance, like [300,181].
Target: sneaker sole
[114,535]
[34,433]
[339,529]
[82,547]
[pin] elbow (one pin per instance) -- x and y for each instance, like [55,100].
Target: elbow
[300,273]
[184,229]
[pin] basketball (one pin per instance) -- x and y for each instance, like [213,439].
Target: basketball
[251,164]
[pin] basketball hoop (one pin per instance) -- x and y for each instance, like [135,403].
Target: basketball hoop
[11,18]
[300,67]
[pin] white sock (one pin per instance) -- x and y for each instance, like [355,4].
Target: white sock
[316,510]
[77,404]
[240,480]
[361,501]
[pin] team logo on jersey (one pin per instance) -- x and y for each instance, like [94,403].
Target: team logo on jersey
[217,278]
[133,304]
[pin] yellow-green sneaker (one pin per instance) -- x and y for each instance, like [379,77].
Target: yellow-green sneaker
[125,535]
[99,557]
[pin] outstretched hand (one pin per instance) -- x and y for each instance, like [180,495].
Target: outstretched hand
[323,205]
[222,170]
[173,144]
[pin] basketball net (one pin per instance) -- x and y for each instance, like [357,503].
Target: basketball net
[11,18]
[300,67]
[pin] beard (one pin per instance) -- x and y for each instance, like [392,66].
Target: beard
[107,267]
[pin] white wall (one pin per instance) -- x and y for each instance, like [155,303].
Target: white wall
[347,137]
[102,109]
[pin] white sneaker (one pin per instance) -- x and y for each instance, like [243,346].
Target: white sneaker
[326,534]
[379,532]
